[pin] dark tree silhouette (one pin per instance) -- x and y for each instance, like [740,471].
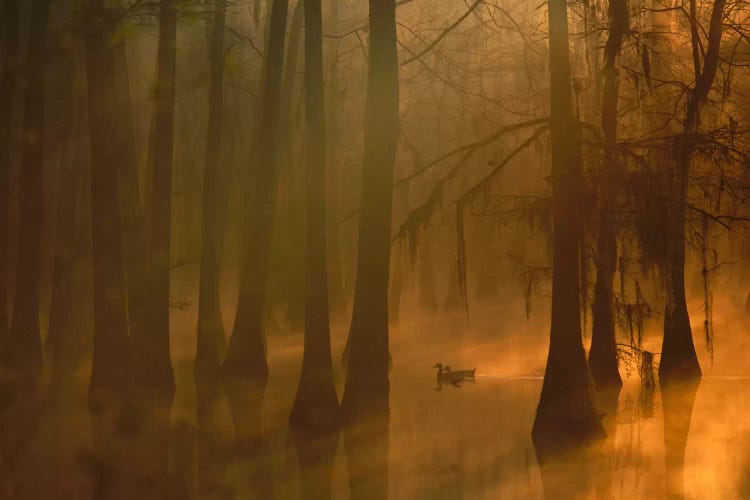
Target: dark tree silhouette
[109,376]
[8,79]
[367,384]
[134,218]
[335,272]
[294,234]
[678,357]
[210,324]
[566,414]
[62,346]
[603,354]
[316,404]
[24,347]
[152,364]
[246,357]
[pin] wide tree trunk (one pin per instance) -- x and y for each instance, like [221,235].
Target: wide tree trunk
[151,361]
[109,376]
[566,415]
[367,385]
[246,357]
[8,78]
[211,342]
[316,404]
[678,357]
[603,355]
[24,348]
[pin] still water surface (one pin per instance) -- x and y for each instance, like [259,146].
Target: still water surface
[471,442]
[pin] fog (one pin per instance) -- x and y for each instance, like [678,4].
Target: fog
[386,249]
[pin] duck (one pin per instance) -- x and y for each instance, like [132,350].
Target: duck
[447,376]
[460,373]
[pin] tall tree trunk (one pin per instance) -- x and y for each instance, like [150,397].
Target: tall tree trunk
[108,374]
[63,322]
[133,219]
[211,341]
[566,414]
[294,284]
[678,357]
[152,363]
[10,41]
[24,344]
[246,357]
[316,404]
[335,272]
[603,355]
[367,386]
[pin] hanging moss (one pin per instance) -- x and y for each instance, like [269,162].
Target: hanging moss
[708,327]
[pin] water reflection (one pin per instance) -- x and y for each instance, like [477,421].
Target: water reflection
[367,446]
[315,456]
[130,448]
[678,398]
[246,402]
[472,442]
[214,442]
[607,400]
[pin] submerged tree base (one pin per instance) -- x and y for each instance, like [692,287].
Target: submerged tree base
[604,372]
[678,357]
[566,417]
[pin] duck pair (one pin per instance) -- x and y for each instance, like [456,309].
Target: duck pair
[447,376]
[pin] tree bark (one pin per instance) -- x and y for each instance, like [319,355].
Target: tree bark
[246,357]
[566,415]
[367,386]
[316,404]
[24,352]
[152,363]
[211,342]
[109,376]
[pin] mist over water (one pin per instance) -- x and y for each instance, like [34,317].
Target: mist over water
[448,442]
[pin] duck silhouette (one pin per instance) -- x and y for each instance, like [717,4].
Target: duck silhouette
[455,377]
